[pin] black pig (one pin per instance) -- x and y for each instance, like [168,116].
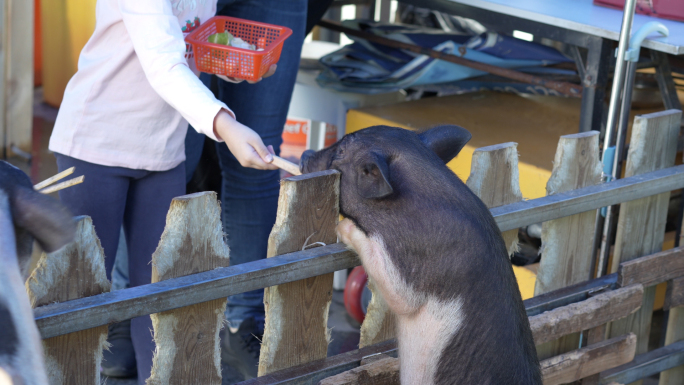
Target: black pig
[25,215]
[436,255]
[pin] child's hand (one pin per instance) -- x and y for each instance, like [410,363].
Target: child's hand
[271,71]
[243,142]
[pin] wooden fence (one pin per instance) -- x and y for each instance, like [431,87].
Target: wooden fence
[595,329]
[16,76]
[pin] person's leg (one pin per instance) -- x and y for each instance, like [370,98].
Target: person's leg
[148,201]
[102,197]
[120,270]
[249,197]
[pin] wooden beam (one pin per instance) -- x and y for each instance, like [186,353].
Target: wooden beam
[557,206]
[73,272]
[674,297]
[594,336]
[494,179]
[379,324]
[315,371]
[187,339]
[380,372]
[674,302]
[57,319]
[587,314]
[641,224]
[567,243]
[562,369]
[16,99]
[652,269]
[646,365]
[296,330]
[578,364]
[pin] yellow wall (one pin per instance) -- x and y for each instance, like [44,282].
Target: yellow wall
[66,27]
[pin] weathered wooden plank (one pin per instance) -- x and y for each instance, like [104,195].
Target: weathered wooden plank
[567,242]
[315,371]
[379,324]
[587,314]
[56,319]
[562,369]
[594,336]
[187,339]
[296,328]
[4,42]
[578,364]
[652,269]
[75,271]
[674,297]
[119,305]
[674,301]
[641,224]
[646,365]
[380,372]
[557,206]
[494,179]
[18,73]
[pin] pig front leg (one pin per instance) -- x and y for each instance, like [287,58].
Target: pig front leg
[400,298]
[425,324]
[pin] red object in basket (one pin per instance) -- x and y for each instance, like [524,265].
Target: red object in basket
[352,293]
[232,61]
[666,9]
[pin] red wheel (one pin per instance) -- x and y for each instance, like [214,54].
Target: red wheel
[352,293]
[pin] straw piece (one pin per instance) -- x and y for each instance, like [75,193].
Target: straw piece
[63,185]
[54,178]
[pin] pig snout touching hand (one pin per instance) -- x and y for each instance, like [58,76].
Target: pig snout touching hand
[435,254]
[25,215]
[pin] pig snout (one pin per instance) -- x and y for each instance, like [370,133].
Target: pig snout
[312,161]
[304,159]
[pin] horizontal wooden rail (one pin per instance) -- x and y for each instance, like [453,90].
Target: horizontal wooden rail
[652,269]
[560,205]
[585,315]
[646,365]
[67,317]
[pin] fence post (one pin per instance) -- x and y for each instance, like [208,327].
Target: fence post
[379,324]
[188,349]
[567,242]
[674,333]
[16,74]
[641,224]
[296,330]
[494,179]
[75,271]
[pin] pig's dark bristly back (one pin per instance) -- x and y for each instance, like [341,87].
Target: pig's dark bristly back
[445,243]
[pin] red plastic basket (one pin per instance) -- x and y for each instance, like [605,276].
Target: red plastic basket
[232,61]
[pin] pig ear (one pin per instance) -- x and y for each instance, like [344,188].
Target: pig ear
[372,180]
[45,218]
[446,141]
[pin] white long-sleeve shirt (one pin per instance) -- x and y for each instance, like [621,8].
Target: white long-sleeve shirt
[134,93]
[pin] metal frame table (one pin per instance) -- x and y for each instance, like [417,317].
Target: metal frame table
[579,23]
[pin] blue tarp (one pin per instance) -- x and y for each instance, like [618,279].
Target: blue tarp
[370,68]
